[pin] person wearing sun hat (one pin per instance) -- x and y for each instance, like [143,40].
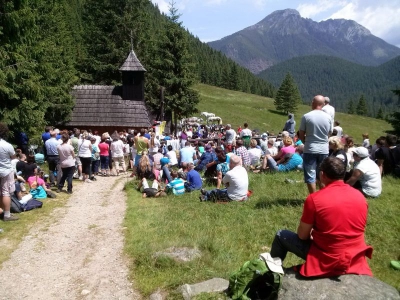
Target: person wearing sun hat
[366,175]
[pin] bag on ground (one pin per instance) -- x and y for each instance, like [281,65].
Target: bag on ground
[15,207]
[32,204]
[255,280]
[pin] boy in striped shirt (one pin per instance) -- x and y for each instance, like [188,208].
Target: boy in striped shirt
[177,184]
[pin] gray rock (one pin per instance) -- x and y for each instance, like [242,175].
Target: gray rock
[214,285]
[354,287]
[180,254]
[85,292]
[156,296]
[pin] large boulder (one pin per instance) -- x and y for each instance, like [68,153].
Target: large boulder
[352,287]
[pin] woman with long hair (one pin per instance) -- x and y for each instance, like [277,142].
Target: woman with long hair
[145,169]
[67,163]
[154,145]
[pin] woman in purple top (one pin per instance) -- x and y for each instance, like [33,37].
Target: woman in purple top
[183,138]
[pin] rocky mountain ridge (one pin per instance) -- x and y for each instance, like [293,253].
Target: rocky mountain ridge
[284,34]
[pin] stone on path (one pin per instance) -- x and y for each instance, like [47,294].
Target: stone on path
[351,287]
[214,285]
[183,254]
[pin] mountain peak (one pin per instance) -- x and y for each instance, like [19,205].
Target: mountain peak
[285,12]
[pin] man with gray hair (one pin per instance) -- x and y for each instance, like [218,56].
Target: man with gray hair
[236,181]
[329,109]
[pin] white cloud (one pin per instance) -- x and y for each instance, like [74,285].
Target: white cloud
[381,18]
[309,10]
[163,5]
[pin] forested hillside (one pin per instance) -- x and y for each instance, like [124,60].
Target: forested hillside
[48,46]
[342,81]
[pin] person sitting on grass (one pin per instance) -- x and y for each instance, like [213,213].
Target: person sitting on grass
[183,171]
[286,149]
[150,192]
[145,169]
[366,176]
[206,158]
[254,153]
[236,181]
[193,179]
[177,186]
[330,236]
[38,188]
[290,162]
[222,167]
[242,152]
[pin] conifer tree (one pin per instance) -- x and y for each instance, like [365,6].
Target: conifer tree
[350,108]
[362,109]
[176,72]
[380,114]
[288,96]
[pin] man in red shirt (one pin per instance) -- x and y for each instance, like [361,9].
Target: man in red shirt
[330,237]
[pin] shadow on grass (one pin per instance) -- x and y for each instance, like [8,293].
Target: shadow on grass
[263,204]
[277,112]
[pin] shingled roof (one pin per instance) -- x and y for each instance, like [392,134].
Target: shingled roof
[132,63]
[102,105]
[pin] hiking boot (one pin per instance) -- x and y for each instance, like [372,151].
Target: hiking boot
[10,218]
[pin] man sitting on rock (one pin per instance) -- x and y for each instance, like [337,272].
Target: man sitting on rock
[236,181]
[330,237]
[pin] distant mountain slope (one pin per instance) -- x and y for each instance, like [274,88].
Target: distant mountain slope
[341,80]
[284,34]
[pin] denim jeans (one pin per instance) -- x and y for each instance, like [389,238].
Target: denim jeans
[67,174]
[287,241]
[166,173]
[217,194]
[311,164]
[104,162]
[273,166]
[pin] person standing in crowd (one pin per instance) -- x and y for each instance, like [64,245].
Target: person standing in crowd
[329,109]
[290,126]
[230,138]
[104,156]
[117,153]
[85,156]
[314,132]
[7,183]
[245,135]
[141,144]
[52,157]
[366,176]
[67,163]
[331,233]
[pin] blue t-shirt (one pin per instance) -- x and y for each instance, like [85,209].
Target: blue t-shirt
[292,164]
[194,179]
[177,185]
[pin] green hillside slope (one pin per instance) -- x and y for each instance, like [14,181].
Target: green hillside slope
[259,112]
[341,80]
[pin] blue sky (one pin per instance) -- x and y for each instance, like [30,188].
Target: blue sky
[214,19]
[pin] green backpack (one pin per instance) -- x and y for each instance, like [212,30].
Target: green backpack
[254,281]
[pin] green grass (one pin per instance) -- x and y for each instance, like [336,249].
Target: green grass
[259,112]
[230,234]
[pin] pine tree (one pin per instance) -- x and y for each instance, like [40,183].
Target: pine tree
[362,109]
[350,107]
[176,71]
[380,114]
[394,118]
[288,96]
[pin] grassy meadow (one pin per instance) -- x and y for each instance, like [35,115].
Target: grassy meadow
[229,234]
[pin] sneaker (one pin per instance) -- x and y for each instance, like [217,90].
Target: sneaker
[80,177]
[203,191]
[10,218]
[202,198]
[88,181]
[69,192]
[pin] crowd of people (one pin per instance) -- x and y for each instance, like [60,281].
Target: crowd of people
[177,164]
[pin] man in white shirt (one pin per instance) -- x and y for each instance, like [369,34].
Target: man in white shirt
[329,109]
[230,137]
[236,181]
[246,135]
[366,175]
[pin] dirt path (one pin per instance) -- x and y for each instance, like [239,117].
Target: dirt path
[77,253]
